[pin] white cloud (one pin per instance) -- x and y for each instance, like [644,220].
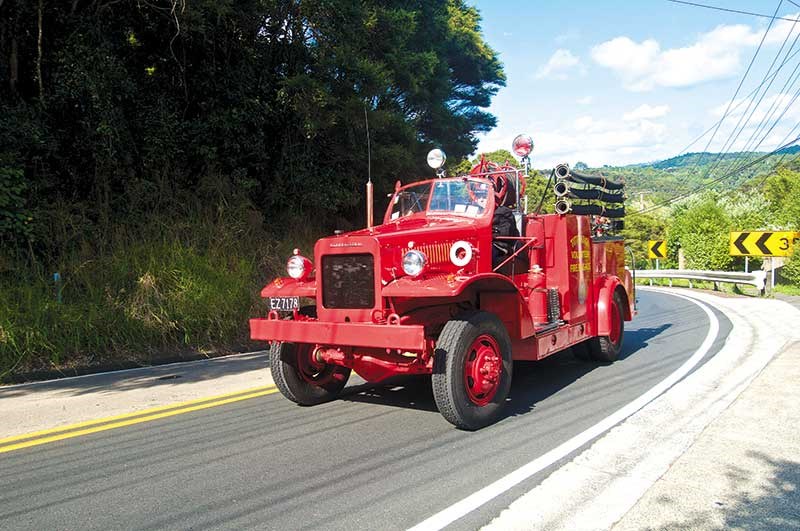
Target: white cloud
[771,106]
[717,54]
[599,142]
[560,65]
[760,128]
[586,100]
[646,112]
[593,141]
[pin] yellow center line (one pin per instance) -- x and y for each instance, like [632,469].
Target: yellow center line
[129,419]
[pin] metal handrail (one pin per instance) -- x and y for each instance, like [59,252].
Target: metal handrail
[758,279]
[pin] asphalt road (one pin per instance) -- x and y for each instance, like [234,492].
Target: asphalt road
[380,458]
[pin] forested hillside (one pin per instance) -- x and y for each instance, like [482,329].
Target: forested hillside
[694,201]
[158,159]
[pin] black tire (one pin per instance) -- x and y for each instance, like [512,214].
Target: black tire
[607,348]
[309,388]
[459,401]
[582,351]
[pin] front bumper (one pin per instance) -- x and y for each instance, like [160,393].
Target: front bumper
[364,335]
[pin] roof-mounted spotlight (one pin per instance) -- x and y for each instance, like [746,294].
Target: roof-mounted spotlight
[436,158]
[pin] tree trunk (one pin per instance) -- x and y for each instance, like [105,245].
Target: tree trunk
[39,54]
[13,66]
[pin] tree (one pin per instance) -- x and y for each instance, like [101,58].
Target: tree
[127,109]
[639,230]
[782,192]
[701,228]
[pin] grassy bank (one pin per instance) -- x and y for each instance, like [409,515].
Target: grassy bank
[164,288]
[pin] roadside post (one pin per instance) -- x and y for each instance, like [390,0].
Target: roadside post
[657,249]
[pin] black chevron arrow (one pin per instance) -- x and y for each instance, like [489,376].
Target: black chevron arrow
[739,243]
[654,249]
[760,243]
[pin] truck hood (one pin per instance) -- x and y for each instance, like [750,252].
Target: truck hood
[419,228]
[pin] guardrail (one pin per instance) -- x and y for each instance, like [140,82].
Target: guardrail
[756,278]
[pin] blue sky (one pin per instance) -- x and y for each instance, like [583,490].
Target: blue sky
[613,82]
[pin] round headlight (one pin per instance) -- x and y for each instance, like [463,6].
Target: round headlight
[414,263]
[436,158]
[298,267]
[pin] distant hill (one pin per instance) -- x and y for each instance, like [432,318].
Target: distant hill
[689,159]
[791,150]
[665,178]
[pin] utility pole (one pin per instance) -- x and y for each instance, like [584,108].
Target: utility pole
[642,193]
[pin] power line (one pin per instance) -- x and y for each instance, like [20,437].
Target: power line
[718,179]
[734,10]
[737,130]
[772,110]
[738,88]
[741,102]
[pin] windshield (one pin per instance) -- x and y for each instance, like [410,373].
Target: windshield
[464,197]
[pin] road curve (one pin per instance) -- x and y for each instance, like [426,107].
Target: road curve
[379,458]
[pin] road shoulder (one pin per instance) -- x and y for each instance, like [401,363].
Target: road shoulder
[744,470]
[38,406]
[597,488]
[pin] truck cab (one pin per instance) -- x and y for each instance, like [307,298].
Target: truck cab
[420,294]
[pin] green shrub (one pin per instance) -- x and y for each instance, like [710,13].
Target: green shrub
[166,287]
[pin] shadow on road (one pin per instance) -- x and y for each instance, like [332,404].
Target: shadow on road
[532,381]
[146,377]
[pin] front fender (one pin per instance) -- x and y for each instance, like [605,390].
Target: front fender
[289,287]
[447,285]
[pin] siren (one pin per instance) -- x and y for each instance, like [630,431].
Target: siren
[522,145]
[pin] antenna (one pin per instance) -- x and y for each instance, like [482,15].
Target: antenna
[370,199]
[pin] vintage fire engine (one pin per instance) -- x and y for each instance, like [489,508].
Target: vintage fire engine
[421,293]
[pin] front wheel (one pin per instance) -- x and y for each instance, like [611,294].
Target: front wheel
[607,348]
[300,379]
[472,370]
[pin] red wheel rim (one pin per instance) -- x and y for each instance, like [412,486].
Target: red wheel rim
[616,322]
[312,371]
[483,369]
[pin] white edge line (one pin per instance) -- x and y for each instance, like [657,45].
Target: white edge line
[122,371]
[470,503]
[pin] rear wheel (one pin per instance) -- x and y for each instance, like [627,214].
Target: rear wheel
[301,379]
[472,370]
[607,348]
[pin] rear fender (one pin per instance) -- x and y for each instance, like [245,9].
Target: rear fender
[606,288]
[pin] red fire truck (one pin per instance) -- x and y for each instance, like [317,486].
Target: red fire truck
[421,293]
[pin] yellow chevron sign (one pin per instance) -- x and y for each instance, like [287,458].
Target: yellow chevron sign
[763,243]
[657,249]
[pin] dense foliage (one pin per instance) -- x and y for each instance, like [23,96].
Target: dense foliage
[153,152]
[699,224]
[116,106]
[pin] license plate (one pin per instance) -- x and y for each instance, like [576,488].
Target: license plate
[284,304]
